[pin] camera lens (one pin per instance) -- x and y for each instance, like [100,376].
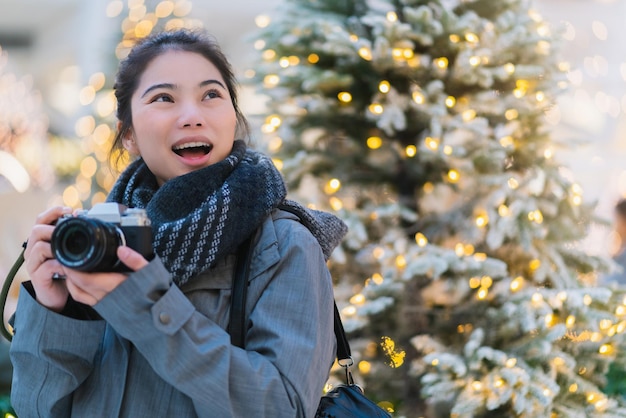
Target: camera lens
[86,244]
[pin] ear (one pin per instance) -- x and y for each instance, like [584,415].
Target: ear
[128,140]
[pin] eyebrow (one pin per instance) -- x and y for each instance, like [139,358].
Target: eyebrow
[171,86]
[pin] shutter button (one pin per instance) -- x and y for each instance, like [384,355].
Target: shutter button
[164,318]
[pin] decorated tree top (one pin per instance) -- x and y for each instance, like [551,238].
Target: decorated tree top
[424,124]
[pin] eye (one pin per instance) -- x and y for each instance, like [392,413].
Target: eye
[162,98]
[213,94]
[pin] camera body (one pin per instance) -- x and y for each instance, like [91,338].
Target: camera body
[89,241]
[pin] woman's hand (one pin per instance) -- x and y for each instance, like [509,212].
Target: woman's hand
[89,288]
[41,264]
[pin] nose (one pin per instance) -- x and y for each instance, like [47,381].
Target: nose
[190,115]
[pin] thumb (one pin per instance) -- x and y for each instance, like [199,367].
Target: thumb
[131,258]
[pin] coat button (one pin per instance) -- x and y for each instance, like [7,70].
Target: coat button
[164,318]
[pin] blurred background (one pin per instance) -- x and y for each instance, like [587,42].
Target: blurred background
[55,54]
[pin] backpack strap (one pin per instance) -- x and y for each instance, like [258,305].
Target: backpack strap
[238,323]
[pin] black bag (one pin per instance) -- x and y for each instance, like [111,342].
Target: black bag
[342,401]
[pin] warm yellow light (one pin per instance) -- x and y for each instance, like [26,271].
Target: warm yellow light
[482,293]
[348,311]
[268,54]
[454,38]
[377,278]
[344,97]
[376,108]
[477,385]
[400,261]
[88,167]
[474,282]
[534,264]
[587,300]
[262,21]
[428,187]
[535,216]
[570,321]
[516,283]
[471,37]
[605,324]
[164,9]
[432,143]
[511,362]
[283,62]
[364,367]
[421,240]
[450,101]
[482,220]
[384,86]
[605,349]
[392,16]
[509,68]
[85,126]
[511,114]
[335,203]
[513,183]
[378,252]
[271,80]
[474,61]
[486,281]
[573,388]
[453,176]
[365,53]
[506,141]
[332,186]
[410,151]
[459,249]
[374,142]
[418,97]
[503,210]
[468,115]
[549,320]
[259,44]
[358,299]
[435,362]
[441,63]
[447,150]
[548,153]
[278,163]
[537,297]
[313,58]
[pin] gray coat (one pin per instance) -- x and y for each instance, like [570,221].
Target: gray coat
[162,351]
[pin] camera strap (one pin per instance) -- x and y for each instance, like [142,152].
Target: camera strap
[4,294]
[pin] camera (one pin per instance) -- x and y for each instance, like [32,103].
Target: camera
[89,241]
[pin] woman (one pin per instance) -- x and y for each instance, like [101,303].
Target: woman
[152,343]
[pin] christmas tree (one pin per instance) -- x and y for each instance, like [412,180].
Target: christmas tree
[422,123]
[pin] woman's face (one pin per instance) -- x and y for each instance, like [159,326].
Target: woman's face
[183,116]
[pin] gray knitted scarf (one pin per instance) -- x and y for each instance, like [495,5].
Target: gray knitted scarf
[200,217]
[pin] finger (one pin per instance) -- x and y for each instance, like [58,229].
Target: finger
[39,234]
[131,258]
[50,216]
[80,295]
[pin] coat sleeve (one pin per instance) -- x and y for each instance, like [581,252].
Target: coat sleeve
[290,341]
[52,354]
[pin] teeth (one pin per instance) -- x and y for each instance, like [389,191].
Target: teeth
[191,145]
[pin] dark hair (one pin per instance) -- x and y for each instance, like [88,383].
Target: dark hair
[620,208]
[133,66]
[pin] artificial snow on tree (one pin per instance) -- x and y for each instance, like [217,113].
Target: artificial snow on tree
[422,123]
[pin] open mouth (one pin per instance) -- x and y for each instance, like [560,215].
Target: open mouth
[193,149]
